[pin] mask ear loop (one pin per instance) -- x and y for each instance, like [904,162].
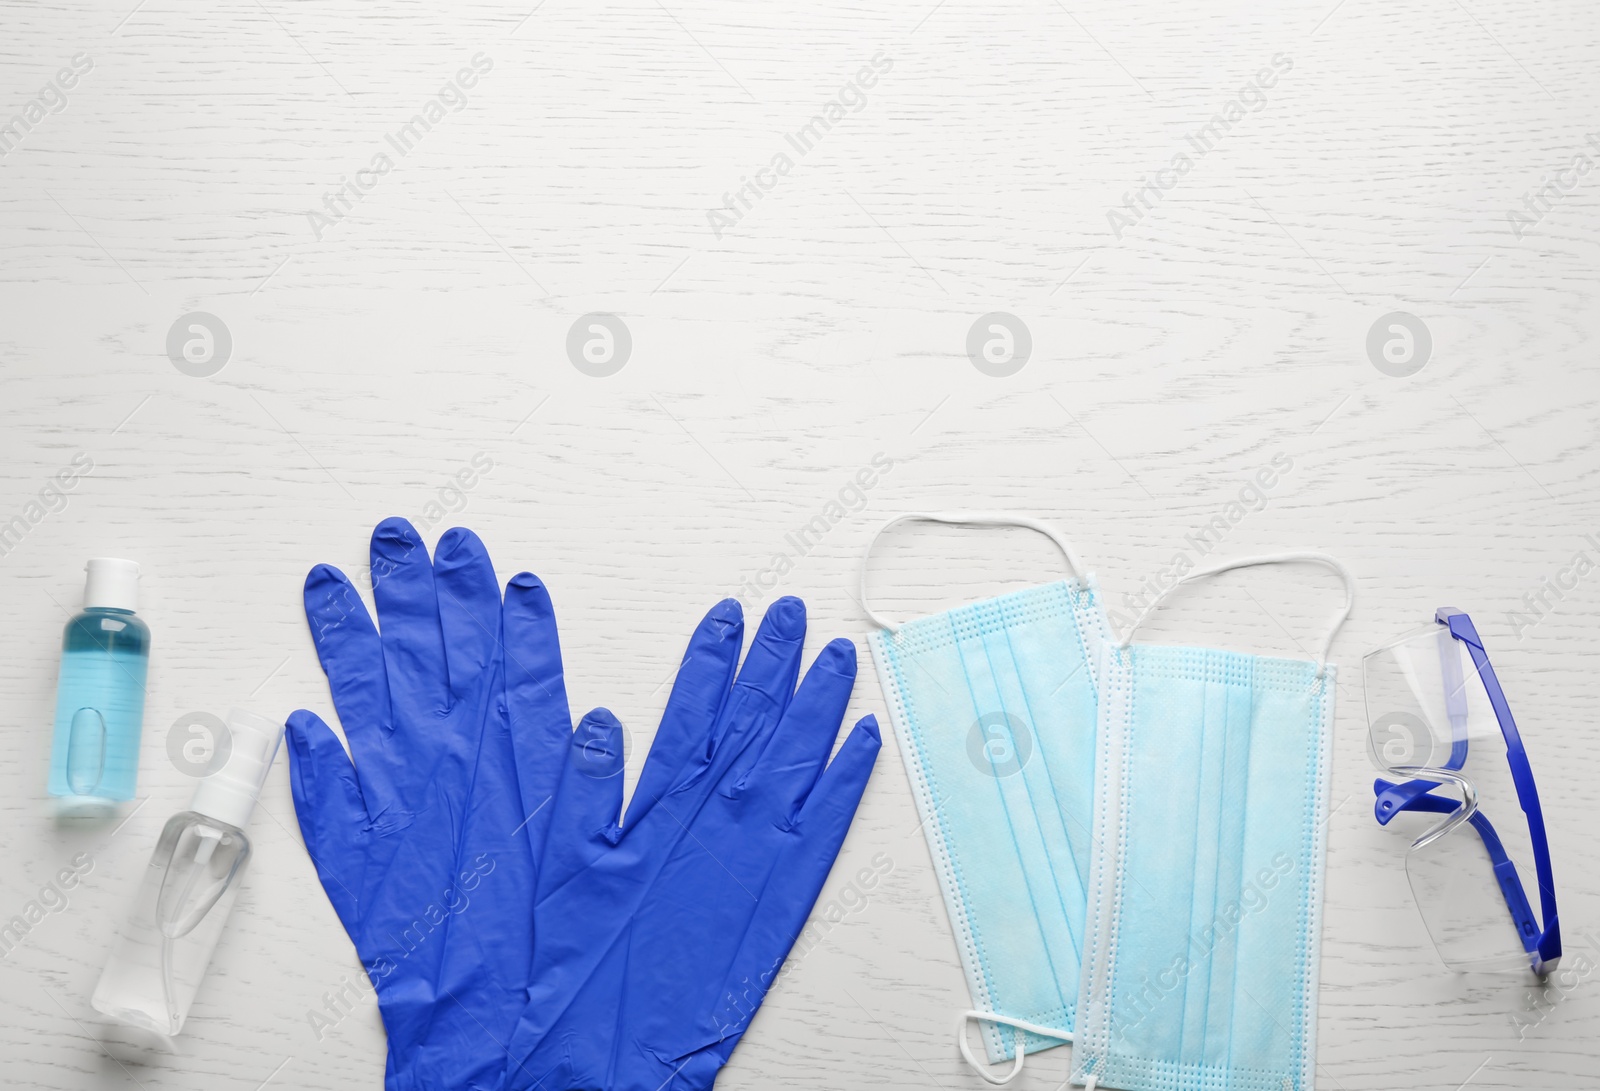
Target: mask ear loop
[991,1017]
[1266,558]
[978,519]
[963,518]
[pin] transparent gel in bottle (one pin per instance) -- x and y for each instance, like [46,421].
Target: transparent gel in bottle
[105,653]
[187,892]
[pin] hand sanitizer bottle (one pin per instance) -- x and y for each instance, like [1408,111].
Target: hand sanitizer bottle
[160,956]
[94,757]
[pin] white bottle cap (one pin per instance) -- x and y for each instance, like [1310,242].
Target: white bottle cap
[112,584]
[229,794]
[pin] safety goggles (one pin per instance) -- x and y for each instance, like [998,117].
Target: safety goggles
[1439,723]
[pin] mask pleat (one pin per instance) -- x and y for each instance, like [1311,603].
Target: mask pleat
[1211,944]
[1010,748]
[994,706]
[1233,794]
[1207,864]
[1059,700]
[1276,858]
[1149,986]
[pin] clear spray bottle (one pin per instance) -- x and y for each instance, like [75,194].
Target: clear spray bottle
[161,954]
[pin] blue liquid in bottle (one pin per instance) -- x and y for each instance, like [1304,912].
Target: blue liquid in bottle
[105,652]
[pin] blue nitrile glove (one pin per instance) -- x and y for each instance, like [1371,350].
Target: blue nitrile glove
[657,939]
[423,844]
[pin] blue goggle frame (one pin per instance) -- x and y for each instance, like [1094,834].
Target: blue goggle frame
[1543,945]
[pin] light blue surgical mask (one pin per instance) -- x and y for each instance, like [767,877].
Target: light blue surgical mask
[1205,897]
[993,706]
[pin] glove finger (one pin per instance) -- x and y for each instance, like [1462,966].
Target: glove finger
[764,688]
[469,611]
[352,657]
[408,613]
[786,900]
[587,801]
[773,663]
[783,776]
[831,807]
[698,693]
[536,699]
[329,807]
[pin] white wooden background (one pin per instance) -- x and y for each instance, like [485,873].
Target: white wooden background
[769,364]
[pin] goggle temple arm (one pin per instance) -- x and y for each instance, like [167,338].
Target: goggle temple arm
[1505,870]
[1547,950]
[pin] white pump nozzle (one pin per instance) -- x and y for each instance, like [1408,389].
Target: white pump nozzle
[229,795]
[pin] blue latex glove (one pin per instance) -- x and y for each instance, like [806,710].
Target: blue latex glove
[657,939]
[424,844]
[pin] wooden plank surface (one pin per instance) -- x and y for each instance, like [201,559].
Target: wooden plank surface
[799,303]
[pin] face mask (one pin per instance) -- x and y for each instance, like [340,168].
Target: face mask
[1205,899]
[993,705]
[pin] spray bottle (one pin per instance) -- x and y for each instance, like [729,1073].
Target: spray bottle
[187,892]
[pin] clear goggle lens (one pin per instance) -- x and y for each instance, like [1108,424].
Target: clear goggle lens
[1429,719]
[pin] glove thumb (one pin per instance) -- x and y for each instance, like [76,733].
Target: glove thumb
[329,806]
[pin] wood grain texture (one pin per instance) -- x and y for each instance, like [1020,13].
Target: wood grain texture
[771,361]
